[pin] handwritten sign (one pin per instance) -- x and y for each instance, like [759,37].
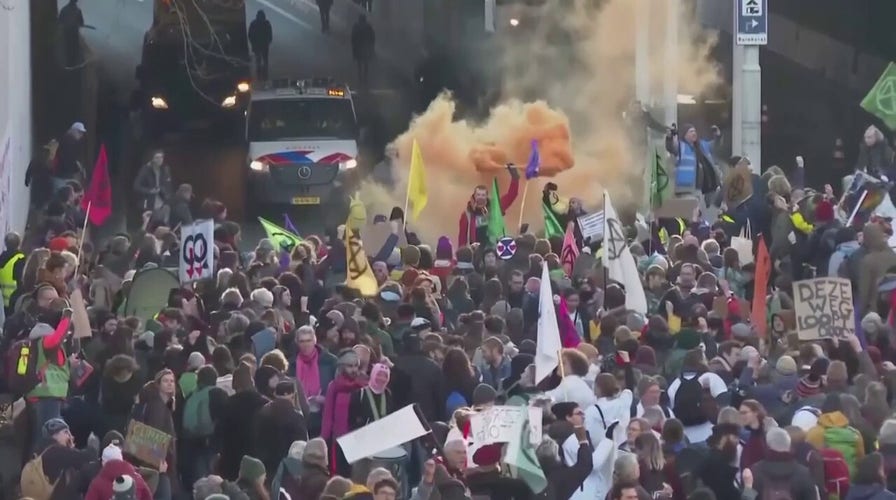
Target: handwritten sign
[500,424]
[824,308]
[147,444]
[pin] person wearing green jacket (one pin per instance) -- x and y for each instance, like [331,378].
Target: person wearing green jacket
[54,374]
[375,323]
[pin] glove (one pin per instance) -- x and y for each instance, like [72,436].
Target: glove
[514,173]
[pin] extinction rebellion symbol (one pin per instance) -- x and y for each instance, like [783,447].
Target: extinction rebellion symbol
[195,251]
[505,248]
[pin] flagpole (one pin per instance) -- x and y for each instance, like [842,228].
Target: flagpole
[81,239]
[858,206]
[407,201]
[523,205]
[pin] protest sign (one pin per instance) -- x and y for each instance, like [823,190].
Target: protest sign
[499,424]
[390,431]
[592,225]
[824,308]
[147,444]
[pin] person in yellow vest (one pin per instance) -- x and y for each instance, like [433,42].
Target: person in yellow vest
[12,262]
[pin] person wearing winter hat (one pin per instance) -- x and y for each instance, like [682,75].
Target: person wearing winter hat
[375,401]
[786,366]
[288,477]
[484,396]
[251,477]
[779,467]
[117,479]
[315,471]
[833,424]
[443,265]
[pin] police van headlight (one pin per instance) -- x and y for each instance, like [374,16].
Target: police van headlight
[158,102]
[229,101]
[348,164]
[243,87]
[259,166]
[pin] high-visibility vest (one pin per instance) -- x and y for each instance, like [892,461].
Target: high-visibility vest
[8,283]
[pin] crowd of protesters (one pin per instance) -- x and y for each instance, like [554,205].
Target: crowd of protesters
[257,373]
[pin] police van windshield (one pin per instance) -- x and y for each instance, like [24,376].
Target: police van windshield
[292,119]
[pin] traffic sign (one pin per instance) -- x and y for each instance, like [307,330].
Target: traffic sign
[751,22]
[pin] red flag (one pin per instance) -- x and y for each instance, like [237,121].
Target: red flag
[570,252]
[99,193]
[760,289]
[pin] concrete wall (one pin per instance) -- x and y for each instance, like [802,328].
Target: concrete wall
[15,114]
[816,51]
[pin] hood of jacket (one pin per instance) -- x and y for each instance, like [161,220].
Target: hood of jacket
[114,468]
[847,247]
[833,419]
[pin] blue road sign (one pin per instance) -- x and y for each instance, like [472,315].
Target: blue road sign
[751,22]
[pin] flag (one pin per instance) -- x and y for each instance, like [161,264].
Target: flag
[417,194]
[570,251]
[548,345]
[534,161]
[619,262]
[359,273]
[659,182]
[289,225]
[282,239]
[496,229]
[551,224]
[99,193]
[863,196]
[760,288]
[881,99]
[520,454]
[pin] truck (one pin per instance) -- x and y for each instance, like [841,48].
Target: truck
[194,65]
[302,136]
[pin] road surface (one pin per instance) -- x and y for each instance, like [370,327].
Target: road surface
[214,167]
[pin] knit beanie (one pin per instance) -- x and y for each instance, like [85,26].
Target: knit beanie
[786,365]
[483,395]
[110,453]
[888,432]
[251,469]
[315,452]
[444,250]
[410,256]
[808,387]
[124,488]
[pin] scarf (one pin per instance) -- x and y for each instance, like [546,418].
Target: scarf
[308,372]
[375,385]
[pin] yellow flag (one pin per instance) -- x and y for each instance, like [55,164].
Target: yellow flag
[359,274]
[417,194]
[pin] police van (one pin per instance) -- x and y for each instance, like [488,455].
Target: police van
[303,142]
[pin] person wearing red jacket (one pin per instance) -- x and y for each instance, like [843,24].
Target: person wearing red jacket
[474,220]
[114,466]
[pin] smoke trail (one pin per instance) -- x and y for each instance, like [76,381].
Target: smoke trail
[579,58]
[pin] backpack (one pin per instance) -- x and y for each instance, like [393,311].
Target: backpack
[836,473]
[22,371]
[34,483]
[197,416]
[776,489]
[843,439]
[688,404]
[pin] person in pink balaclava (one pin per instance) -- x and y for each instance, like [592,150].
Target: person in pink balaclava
[372,402]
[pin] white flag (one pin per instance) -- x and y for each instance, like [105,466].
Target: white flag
[547,351]
[619,262]
[197,251]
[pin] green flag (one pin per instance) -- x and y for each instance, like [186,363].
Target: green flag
[659,182]
[282,239]
[551,224]
[496,229]
[881,99]
[520,456]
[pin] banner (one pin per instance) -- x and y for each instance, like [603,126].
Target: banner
[824,308]
[390,431]
[197,251]
[145,443]
[592,226]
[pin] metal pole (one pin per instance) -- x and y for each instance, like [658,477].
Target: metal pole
[642,51]
[751,113]
[737,58]
[670,70]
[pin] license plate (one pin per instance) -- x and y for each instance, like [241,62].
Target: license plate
[306,200]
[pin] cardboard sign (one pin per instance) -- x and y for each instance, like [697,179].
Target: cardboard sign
[824,308]
[147,444]
[592,225]
[390,431]
[80,319]
[737,186]
[197,251]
